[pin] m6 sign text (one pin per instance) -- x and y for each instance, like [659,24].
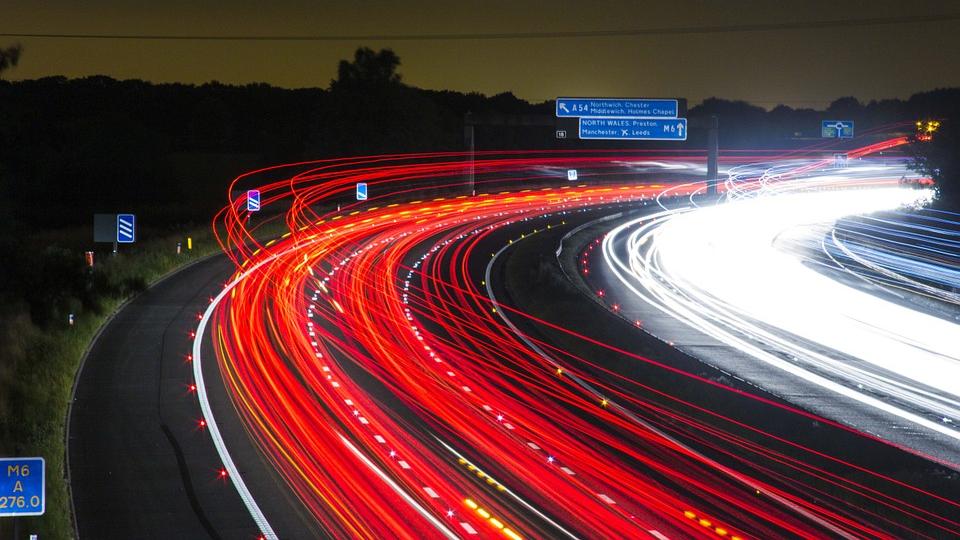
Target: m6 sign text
[22,486]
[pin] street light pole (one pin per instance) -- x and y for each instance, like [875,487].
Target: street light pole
[468,136]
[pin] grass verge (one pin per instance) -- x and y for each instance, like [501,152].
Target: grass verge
[39,364]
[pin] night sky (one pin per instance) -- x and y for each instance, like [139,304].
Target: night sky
[806,67]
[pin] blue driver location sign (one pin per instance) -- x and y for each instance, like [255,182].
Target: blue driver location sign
[634,129]
[126,228]
[836,129]
[616,107]
[22,487]
[361,191]
[253,200]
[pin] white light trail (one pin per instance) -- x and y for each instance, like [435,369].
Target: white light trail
[734,272]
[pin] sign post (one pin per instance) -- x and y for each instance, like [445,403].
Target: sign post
[361,191]
[617,108]
[23,489]
[635,129]
[629,119]
[126,228]
[253,200]
[470,142]
[105,229]
[836,129]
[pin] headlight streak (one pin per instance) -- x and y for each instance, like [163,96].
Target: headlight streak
[904,252]
[385,296]
[737,276]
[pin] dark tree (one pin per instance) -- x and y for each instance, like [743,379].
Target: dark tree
[368,69]
[845,108]
[741,124]
[939,158]
[9,57]
[371,111]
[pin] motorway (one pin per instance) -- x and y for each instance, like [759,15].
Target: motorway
[141,466]
[418,365]
[751,287]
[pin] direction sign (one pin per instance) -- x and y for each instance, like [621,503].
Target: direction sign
[635,129]
[253,200]
[126,228]
[23,491]
[361,191]
[616,108]
[834,129]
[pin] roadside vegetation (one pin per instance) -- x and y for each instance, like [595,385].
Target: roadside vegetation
[42,351]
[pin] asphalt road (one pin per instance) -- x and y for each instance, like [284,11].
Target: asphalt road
[558,300]
[741,365]
[141,467]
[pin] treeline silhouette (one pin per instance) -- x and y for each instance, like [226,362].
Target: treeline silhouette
[73,147]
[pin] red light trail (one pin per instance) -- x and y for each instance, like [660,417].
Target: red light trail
[373,371]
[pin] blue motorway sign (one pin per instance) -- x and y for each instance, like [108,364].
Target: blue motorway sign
[253,200]
[22,487]
[836,129]
[616,108]
[126,228]
[361,191]
[634,129]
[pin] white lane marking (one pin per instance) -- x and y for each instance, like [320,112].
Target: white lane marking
[606,499]
[508,492]
[261,520]
[466,526]
[431,492]
[399,491]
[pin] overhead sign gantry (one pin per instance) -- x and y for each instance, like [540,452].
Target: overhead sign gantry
[636,119]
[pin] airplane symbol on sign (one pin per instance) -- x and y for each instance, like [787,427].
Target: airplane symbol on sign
[623,132]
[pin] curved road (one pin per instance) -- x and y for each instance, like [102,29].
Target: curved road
[361,353]
[140,464]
